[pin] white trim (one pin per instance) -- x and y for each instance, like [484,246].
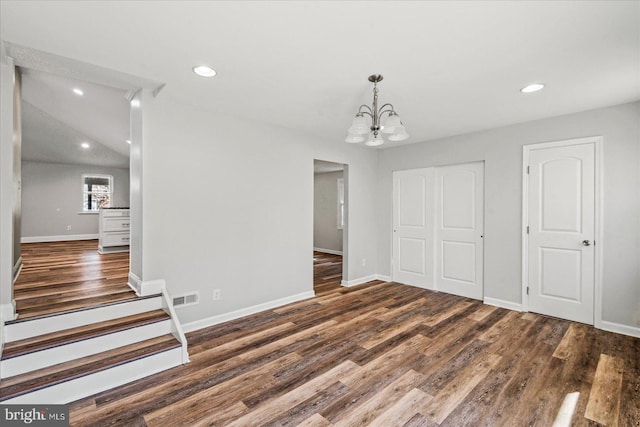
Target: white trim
[598,245]
[134,283]
[327,251]
[8,312]
[17,268]
[151,287]
[145,288]
[221,318]
[503,304]
[618,328]
[61,238]
[176,328]
[361,280]
[526,149]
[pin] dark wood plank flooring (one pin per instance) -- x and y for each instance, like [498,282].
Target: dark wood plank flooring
[385,354]
[61,276]
[327,272]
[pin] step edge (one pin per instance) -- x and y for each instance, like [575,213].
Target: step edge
[76,340]
[80,375]
[77,310]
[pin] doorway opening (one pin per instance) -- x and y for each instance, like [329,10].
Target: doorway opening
[329,225]
[74,163]
[561,230]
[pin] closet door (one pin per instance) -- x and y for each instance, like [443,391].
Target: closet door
[413,227]
[459,229]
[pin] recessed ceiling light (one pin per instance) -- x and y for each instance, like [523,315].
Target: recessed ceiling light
[78,92]
[85,145]
[128,141]
[532,88]
[204,71]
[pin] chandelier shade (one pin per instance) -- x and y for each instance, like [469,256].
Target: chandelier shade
[360,126]
[354,139]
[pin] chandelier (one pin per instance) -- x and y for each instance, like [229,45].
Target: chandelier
[392,125]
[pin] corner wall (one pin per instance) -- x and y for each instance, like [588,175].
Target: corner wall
[501,149]
[228,204]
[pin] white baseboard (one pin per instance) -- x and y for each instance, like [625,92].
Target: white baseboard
[144,288]
[8,311]
[63,238]
[361,280]
[328,251]
[503,304]
[135,283]
[618,328]
[221,318]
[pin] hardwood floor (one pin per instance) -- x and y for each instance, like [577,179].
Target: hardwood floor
[385,354]
[327,272]
[61,276]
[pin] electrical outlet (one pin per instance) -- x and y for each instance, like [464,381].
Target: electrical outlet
[216,294]
[68,228]
[364,262]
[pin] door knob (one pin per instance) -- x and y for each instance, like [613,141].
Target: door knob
[586,242]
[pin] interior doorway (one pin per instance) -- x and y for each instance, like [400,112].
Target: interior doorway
[561,234]
[329,225]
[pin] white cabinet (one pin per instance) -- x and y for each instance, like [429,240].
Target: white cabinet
[114,230]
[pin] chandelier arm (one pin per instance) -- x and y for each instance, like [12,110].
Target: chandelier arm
[386,111]
[367,113]
[387,105]
[365,106]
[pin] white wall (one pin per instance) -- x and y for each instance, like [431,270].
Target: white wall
[501,149]
[326,234]
[228,204]
[7,185]
[52,198]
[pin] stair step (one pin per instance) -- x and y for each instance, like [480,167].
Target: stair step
[56,339]
[23,328]
[50,376]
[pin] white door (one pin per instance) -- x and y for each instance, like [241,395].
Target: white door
[459,229]
[561,210]
[413,227]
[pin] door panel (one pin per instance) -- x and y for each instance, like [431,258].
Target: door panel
[413,227]
[562,216]
[459,230]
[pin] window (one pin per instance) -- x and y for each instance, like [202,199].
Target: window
[96,192]
[340,203]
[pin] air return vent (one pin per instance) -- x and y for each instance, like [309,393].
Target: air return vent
[187,299]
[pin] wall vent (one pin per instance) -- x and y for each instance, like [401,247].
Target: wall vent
[187,299]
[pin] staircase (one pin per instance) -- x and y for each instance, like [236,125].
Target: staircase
[59,358]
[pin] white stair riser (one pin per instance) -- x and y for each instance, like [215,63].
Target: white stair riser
[64,353]
[35,327]
[70,391]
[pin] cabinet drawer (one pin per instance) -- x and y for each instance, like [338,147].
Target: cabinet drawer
[115,239]
[116,224]
[115,213]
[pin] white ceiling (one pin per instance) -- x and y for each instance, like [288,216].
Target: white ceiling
[450,67]
[55,121]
